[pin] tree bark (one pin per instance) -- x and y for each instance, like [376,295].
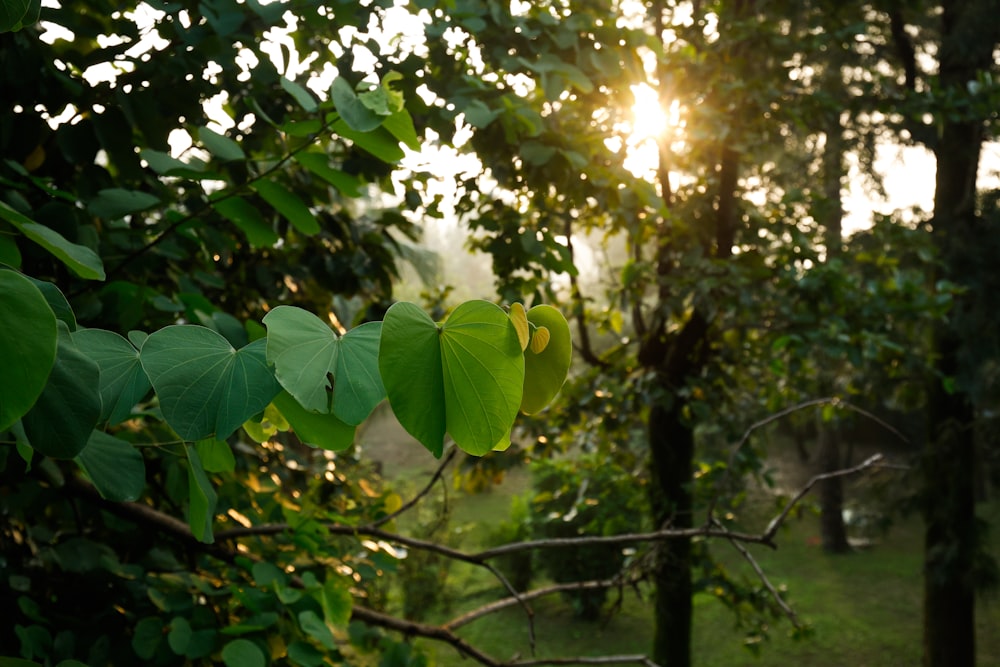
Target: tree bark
[833,532]
[968,37]
[671,444]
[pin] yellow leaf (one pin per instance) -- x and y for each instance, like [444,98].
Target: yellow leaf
[520,320]
[540,340]
[35,158]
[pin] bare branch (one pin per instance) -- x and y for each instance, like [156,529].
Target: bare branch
[423,492]
[497,605]
[776,522]
[789,612]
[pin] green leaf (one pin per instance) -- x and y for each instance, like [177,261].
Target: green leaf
[115,467]
[244,215]
[57,302]
[60,422]
[319,430]
[288,205]
[545,371]
[410,364]
[243,653]
[79,259]
[400,125]
[205,386]
[336,601]
[201,498]
[378,142]
[179,635]
[220,145]
[353,110]
[147,637]
[301,95]
[123,381]
[9,252]
[114,203]
[307,355]
[314,626]
[17,14]
[215,455]
[28,342]
[305,655]
[165,164]
[319,164]
[464,377]
[478,115]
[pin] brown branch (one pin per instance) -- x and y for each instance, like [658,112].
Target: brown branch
[584,347]
[534,594]
[150,516]
[826,400]
[776,522]
[789,612]
[423,492]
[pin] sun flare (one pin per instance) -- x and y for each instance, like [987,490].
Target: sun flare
[651,124]
[650,119]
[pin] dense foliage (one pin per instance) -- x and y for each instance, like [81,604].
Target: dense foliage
[205,208]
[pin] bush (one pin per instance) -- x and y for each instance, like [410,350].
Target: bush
[589,495]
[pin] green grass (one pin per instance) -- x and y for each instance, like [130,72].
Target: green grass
[864,608]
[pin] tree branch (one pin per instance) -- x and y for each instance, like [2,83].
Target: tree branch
[423,492]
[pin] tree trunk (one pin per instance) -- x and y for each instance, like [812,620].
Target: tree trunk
[831,491]
[968,36]
[671,443]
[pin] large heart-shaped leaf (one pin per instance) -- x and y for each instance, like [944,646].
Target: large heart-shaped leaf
[68,409]
[115,467]
[205,386]
[545,371]
[123,382]
[27,345]
[306,354]
[463,377]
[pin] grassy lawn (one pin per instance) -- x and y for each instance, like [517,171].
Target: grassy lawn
[864,608]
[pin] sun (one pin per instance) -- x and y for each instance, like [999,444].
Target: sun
[651,125]
[650,119]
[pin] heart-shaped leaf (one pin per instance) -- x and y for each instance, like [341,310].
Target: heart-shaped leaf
[60,422]
[123,382]
[115,467]
[27,345]
[205,386]
[306,353]
[464,376]
[545,370]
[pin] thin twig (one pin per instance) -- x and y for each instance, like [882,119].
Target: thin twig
[776,522]
[534,594]
[423,492]
[789,612]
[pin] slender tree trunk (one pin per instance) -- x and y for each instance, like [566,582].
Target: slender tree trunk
[671,443]
[831,495]
[831,491]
